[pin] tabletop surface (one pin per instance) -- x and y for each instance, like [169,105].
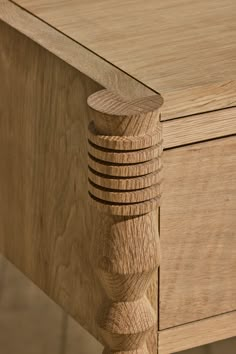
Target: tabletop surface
[184,47]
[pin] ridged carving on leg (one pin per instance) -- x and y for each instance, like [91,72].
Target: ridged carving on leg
[125,147]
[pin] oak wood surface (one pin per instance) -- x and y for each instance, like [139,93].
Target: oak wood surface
[197,334]
[46,148]
[45,220]
[198,232]
[185,50]
[199,127]
[71,52]
[105,73]
[26,312]
[127,253]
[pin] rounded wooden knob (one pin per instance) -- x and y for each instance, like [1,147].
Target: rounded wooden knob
[113,115]
[125,147]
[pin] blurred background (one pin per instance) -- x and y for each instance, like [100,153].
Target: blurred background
[30,323]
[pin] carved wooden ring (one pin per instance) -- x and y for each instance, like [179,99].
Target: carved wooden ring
[124,157]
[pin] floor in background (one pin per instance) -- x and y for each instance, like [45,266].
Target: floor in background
[30,323]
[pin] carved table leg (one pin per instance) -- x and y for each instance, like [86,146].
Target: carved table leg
[125,149]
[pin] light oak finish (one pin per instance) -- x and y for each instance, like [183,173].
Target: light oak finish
[72,52]
[45,219]
[183,131]
[198,232]
[44,204]
[82,172]
[31,323]
[26,312]
[199,127]
[185,50]
[128,222]
[197,333]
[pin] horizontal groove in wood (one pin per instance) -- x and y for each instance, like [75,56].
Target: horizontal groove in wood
[49,197]
[128,157]
[214,97]
[197,333]
[126,209]
[127,318]
[131,196]
[124,142]
[199,127]
[143,350]
[71,52]
[124,183]
[132,170]
[194,74]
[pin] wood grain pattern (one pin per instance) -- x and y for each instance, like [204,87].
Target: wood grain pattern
[207,126]
[46,223]
[170,47]
[199,127]
[26,312]
[198,333]
[31,323]
[198,232]
[45,220]
[76,55]
[44,212]
[126,239]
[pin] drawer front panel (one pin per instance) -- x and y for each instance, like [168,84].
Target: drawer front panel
[198,232]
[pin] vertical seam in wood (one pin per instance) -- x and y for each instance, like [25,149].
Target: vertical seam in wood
[159,274]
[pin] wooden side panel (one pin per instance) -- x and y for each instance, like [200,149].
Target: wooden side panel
[45,219]
[198,333]
[198,232]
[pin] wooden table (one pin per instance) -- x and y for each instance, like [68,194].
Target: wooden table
[118,165]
